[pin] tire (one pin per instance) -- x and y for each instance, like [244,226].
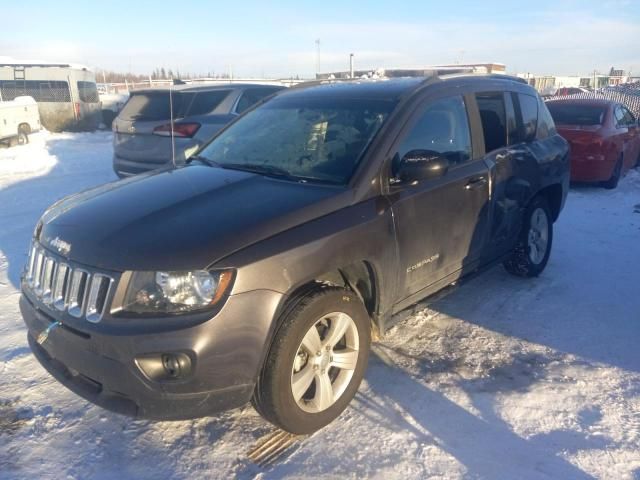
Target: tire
[615,176]
[23,135]
[531,254]
[107,118]
[323,390]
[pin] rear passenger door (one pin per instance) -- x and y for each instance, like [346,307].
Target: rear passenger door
[441,222]
[509,159]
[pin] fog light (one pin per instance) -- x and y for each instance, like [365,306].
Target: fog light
[165,366]
[175,364]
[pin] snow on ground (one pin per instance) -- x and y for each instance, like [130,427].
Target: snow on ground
[503,378]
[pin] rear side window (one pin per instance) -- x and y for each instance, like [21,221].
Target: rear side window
[40,90]
[88,92]
[494,119]
[529,112]
[546,125]
[206,102]
[252,96]
[442,128]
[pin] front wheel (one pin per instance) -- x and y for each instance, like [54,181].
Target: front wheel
[531,254]
[316,363]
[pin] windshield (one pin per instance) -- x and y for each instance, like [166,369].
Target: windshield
[308,139]
[576,114]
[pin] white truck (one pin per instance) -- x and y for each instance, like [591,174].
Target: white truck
[18,118]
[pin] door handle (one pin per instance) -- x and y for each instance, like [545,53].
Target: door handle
[475,182]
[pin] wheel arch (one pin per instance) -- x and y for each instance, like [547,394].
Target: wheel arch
[359,276]
[553,194]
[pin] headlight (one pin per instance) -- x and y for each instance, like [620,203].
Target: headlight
[175,292]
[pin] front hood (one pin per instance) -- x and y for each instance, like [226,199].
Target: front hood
[179,219]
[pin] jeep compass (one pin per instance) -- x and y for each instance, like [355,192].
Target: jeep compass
[259,271]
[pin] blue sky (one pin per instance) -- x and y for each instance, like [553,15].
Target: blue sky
[256,38]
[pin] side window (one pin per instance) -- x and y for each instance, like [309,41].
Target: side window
[619,115]
[529,112]
[88,92]
[252,96]
[494,119]
[546,125]
[513,136]
[206,102]
[442,128]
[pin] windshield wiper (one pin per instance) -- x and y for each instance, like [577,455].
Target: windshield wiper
[205,160]
[264,169]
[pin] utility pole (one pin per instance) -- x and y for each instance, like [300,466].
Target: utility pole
[317,55]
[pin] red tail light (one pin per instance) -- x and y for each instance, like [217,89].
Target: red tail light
[76,108]
[187,130]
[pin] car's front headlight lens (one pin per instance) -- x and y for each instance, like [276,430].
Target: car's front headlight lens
[175,292]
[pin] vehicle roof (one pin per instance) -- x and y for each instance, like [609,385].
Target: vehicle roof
[591,102]
[384,88]
[205,87]
[391,88]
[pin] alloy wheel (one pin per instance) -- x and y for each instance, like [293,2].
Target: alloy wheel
[325,362]
[538,238]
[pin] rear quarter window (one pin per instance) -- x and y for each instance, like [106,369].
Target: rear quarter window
[546,125]
[206,102]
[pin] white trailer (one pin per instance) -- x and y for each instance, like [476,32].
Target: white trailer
[66,94]
[18,118]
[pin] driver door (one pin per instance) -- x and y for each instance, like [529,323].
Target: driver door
[441,222]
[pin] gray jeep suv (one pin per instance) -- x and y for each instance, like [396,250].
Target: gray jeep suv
[259,270]
[142,129]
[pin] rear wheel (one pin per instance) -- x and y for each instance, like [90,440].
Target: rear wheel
[23,134]
[615,176]
[316,363]
[531,254]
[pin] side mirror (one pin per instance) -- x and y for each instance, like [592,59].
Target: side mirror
[419,165]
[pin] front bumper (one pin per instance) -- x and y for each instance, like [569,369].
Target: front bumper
[226,352]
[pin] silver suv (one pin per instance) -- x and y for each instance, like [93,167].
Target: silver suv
[142,129]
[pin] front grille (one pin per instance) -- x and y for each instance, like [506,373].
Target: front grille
[59,286]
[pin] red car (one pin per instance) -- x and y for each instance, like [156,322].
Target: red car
[604,138]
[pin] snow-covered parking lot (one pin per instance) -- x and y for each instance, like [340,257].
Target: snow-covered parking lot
[503,378]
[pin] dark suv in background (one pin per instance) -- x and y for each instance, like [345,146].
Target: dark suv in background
[258,271]
[142,129]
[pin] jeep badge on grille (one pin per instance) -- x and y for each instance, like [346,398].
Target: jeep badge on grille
[60,246]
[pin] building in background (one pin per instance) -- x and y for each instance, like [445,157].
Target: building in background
[549,84]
